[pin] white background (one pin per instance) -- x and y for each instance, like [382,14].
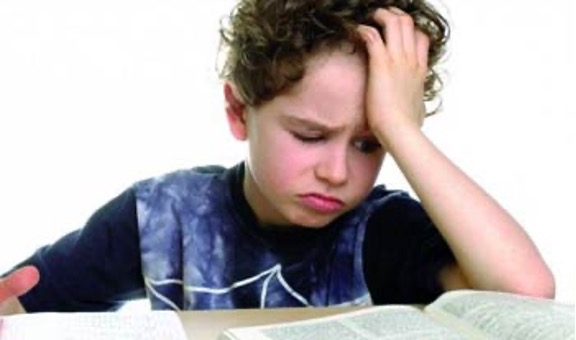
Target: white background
[95,95]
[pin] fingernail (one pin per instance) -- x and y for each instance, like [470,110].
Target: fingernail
[396,10]
[364,35]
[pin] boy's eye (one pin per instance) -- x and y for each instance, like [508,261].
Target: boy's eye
[308,138]
[367,145]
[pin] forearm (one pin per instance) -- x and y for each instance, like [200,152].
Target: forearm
[492,250]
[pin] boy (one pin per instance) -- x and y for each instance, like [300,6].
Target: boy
[321,90]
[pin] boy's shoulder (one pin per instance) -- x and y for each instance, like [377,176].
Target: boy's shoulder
[380,195]
[183,175]
[382,200]
[182,182]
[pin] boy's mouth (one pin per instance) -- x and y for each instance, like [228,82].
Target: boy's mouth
[321,203]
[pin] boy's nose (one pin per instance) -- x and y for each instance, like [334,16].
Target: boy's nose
[333,168]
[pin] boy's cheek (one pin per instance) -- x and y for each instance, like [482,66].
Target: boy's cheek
[291,154]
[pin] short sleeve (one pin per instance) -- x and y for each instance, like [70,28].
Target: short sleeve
[403,254]
[96,268]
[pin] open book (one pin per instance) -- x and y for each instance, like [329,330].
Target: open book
[455,315]
[93,326]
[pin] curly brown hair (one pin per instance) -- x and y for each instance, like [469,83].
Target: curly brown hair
[267,42]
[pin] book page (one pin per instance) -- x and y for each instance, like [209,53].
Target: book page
[390,322]
[93,326]
[503,315]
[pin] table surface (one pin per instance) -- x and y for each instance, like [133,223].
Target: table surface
[209,324]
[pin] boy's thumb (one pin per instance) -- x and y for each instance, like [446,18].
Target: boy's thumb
[18,282]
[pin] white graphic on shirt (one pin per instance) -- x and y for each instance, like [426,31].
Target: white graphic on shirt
[150,285]
[268,274]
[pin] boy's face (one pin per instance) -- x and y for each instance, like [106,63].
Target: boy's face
[311,155]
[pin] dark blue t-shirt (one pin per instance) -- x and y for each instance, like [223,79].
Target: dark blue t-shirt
[99,266]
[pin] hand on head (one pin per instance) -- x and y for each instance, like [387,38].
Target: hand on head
[398,67]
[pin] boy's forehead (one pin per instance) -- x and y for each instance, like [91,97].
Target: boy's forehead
[331,92]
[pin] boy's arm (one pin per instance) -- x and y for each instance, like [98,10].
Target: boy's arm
[95,268]
[492,250]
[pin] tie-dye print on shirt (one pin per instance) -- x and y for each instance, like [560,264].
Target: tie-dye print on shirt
[198,254]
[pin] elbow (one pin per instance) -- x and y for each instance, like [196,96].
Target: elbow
[537,284]
[547,289]
[541,285]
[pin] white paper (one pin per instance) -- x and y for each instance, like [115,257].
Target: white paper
[93,326]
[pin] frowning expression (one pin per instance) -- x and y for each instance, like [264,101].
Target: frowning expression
[311,154]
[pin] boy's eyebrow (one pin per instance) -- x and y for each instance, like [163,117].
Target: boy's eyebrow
[316,125]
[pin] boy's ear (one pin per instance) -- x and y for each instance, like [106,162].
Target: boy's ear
[235,112]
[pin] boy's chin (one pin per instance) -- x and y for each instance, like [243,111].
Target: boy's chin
[313,222]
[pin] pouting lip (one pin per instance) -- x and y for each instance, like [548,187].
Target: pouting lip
[326,198]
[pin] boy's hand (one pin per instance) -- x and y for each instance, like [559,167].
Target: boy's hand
[18,283]
[397,69]
[479,232]
[14,285]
